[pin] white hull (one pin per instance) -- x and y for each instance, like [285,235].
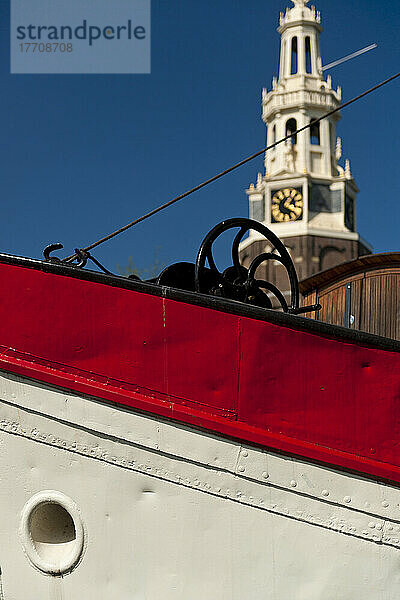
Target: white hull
[168,512]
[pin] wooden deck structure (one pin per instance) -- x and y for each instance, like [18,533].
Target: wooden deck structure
[362,294]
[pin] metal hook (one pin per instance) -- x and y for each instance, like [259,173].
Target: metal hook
[83,257]
[52,248]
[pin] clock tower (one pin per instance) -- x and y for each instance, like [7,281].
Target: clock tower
[306,196]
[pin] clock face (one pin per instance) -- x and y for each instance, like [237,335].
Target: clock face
[286,205]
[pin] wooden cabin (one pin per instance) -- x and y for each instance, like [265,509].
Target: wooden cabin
[360,294]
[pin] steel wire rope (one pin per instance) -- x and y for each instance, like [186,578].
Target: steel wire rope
[71,258]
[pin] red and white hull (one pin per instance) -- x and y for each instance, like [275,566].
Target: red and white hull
[170,512]
[152,487]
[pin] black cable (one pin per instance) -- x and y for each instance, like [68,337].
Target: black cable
[230,169]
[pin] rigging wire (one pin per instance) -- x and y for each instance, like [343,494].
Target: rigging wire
[350,57]
[71,258]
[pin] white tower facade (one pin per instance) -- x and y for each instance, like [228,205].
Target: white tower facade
[305,191]
[300,95]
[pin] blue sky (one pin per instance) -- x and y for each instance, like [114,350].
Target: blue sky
[83,154]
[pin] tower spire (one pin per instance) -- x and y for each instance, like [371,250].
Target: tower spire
[306,195]
[299,96]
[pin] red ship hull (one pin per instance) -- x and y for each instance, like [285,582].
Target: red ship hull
[283,382]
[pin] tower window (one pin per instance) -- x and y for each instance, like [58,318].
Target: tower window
[308,55]
[274,134]
[315,133]
[293,69]
[283,59]
[291,126]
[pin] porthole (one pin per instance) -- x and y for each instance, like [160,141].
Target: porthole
[52,532]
